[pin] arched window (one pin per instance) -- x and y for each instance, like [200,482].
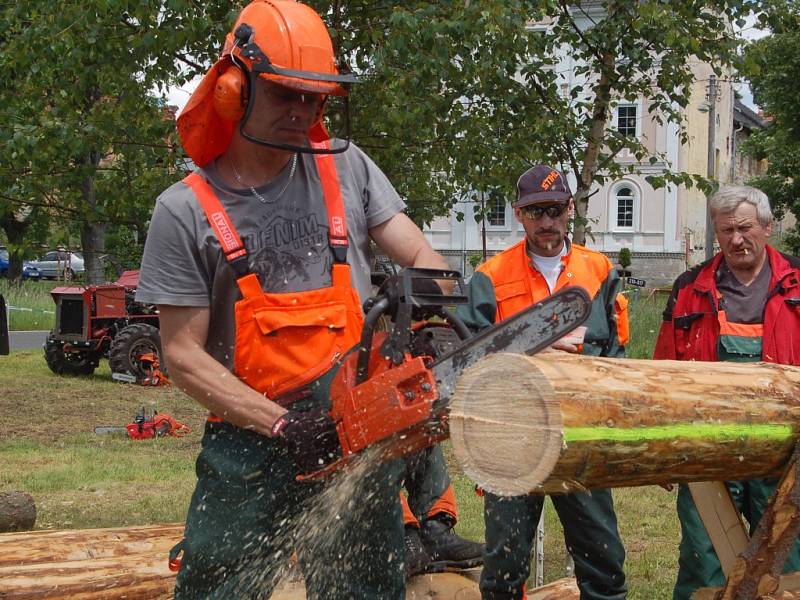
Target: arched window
[625,197]
[624,200]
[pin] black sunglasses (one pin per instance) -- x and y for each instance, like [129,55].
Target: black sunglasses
[552,211]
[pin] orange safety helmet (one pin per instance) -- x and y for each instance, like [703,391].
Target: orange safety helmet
[280,40]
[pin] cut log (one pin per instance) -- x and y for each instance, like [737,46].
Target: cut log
[557,423]
[116,563]
[86,544]
[561,589]
[17,511]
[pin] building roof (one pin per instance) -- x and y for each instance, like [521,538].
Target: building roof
[747,117]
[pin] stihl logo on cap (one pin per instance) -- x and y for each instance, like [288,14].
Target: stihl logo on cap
[224,230]
[550,180]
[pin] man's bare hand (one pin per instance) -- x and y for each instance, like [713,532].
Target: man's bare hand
[565,346]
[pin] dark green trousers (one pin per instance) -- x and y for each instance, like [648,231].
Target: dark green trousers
[698,565]
[248,515]
[426,479]
[590,532]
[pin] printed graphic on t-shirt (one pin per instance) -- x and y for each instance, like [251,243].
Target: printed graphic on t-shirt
[288,250]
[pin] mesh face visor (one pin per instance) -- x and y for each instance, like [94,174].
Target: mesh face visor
[290,119]
[286,103]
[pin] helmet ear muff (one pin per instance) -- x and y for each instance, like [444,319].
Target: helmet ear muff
[231,94]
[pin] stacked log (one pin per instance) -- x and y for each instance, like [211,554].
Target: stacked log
[558,423]
[88,564]
[94,564]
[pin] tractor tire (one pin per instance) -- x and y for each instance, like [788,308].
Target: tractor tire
[69,363]
[129,344]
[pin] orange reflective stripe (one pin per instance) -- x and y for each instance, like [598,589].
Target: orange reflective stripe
[212,418]
[226,233]
[331,190]
[739,329]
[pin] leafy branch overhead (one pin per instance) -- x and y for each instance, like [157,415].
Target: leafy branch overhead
[773,68]
[459,97]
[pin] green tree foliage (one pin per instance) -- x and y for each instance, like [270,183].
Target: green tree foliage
[83,140]
[459,97]
[462,96]
[773,68]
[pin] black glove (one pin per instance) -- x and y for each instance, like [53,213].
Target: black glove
[310,437]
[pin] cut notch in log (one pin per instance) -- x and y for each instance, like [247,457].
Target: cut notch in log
[557,423]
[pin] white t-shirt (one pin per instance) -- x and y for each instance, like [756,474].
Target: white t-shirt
[549,266]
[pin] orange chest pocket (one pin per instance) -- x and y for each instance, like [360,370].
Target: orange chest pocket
[286,341]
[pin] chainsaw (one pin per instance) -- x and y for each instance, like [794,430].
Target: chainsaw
[391,393]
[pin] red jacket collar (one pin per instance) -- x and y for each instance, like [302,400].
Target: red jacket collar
[781,270]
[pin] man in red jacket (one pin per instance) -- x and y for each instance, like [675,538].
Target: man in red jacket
[743,306]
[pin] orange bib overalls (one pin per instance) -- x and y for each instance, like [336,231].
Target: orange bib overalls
[284,341]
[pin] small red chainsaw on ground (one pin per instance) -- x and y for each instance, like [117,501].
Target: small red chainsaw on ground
[393,390]
[147,425]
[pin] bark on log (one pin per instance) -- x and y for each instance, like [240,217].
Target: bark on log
[17,511]
[557,423]
[40,547]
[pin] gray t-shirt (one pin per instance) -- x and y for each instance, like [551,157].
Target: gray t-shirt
[286,238]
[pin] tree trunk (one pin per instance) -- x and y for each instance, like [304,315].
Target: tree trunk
[15,232]
[558,423]
[17,511]
[591,157]
[93,242]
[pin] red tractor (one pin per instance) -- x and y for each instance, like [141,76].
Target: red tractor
[104,321]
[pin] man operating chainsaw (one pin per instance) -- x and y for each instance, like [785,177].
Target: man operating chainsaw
[541,264]
[258,262]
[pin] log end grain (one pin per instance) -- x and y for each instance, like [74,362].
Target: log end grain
[495,440]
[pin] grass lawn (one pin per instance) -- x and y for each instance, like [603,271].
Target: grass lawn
[83,480]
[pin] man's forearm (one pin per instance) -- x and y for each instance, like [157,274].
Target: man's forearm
[211,384]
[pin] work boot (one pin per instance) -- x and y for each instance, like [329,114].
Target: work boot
[417,557]
[446,547]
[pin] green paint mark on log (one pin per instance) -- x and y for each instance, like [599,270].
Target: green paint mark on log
[701,431]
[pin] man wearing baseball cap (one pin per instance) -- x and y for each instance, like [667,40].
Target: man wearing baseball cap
[539,265]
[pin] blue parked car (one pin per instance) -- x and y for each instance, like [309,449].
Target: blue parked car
[28,270]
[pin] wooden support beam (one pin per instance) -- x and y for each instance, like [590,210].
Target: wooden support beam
[558,423]
[722,521]
[758,569]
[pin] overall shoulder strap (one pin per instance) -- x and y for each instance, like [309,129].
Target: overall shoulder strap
[332,193]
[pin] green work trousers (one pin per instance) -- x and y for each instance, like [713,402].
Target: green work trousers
[698,565]
[426,479]
[590,532]
[248,515]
